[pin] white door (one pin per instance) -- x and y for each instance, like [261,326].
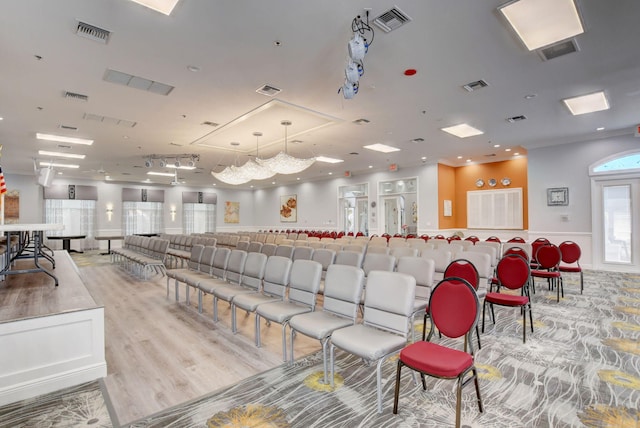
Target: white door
[616,222]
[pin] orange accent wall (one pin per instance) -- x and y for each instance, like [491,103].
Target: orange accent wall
[463,179]
[446,191]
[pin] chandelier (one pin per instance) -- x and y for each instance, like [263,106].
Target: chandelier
[261,169]
[283,163]
[253,169]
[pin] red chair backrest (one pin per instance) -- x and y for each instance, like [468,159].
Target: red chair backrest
[453,307]
[517,239]
[473,239]
[517,250]
[548,256]
[462,268]
[513,271]
[493,239]
[570,252]
[439,237]
[425,237]
[535,245]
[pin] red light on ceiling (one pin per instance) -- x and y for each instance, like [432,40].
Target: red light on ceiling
[410,71]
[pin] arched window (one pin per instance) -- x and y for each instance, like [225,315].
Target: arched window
[618,163]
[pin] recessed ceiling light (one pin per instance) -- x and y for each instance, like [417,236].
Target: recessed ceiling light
[328,159]
[540,23]
[163,174]
[1,118]
[193,68]
[462,130]
[459,157]
[273,182]
[59,165]
[60,173]
[331,173]
[251,186]
[587,103]
[516,154]
[530,96]
[370,166]
[61,155]
[496,145]
[162,6]
[601,128]
[507,150]
[180,167]
[381,148]
[298,178]
[468,160]
[423,158]
[62,139]
[214,184]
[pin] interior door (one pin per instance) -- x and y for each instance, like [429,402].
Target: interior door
[393,214]
[616,222]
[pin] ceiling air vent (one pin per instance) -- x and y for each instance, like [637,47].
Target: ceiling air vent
[68,128]
[209,123]
[361,121]
[559,49]
[77,97]
[268,90]
[417,140]
[92,32]
[515,119]
[392,19]
[474,86]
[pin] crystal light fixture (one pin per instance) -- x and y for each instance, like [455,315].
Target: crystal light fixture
[283,163]
[253,169]
[232,174]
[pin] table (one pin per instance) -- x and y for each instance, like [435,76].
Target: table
[148,235]
[30,245]
[108,239]
[66,241]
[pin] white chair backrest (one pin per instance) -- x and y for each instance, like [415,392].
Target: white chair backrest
[398,252]
[497,246]
[441,258]
[343,290]
[276,276]
[526,247]
[243,245]
[302,253]
[207,260]
[269,249]
[354,247]
[378,262]
[235,266]
[378,240]
[378,249]
[398,242]
[388,302]
[304,282]
[254,268]
[334,246]
[350,258]
[220,261]
[300,243]
[487,249]
[254,247]
[422,270]
[325,257]
[284,251]
[482,262]
[315,244]
[196,254]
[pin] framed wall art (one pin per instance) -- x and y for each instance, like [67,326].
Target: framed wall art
[558,196]
[231,212]
[289,208]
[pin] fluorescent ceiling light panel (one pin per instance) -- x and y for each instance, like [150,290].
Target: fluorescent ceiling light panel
[587,103]
[164,174]
[381,148]
[462,130]
[61,139]
[540,23]
[61,155]
[59,165]
[162,6]
[328,159]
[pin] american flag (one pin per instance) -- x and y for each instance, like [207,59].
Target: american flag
[3,185]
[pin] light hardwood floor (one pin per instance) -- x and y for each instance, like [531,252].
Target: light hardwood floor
[161,353]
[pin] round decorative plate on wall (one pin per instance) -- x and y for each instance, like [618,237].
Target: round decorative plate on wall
[479,182]
[492,182]
[505,181]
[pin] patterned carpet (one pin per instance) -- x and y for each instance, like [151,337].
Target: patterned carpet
[581,367]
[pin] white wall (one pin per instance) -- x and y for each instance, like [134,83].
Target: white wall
[567,165]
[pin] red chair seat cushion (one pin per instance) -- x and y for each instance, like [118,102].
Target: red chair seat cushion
[436,360]
[506,299]
[545,274]
[570,269]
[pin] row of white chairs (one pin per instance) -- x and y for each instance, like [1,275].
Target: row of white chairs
[141,255]
[283,291]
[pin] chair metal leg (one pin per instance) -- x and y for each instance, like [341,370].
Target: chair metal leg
[524,325]
[458,400]
[215,308]
[332,352]
[200,293]
[581,282]
[396,394]
[258,342]
[234,328]
[475,375]
[284,342]
[379,382]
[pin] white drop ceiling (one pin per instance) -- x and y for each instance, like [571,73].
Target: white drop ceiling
[301,48]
